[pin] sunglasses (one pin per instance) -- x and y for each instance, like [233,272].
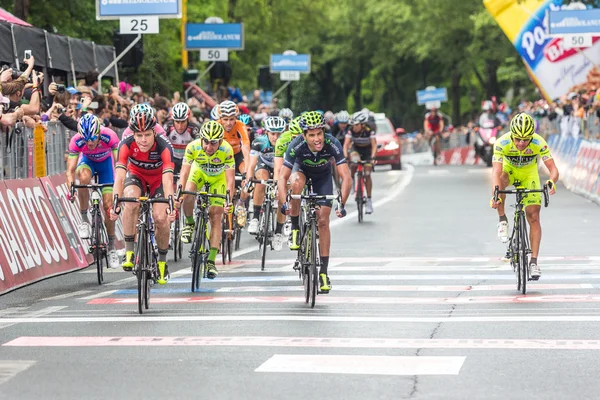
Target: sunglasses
[211,142]
[516,139]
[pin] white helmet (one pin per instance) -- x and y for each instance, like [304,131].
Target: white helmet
[487,105]
[228,109]
[180,112]
[342,117]
[286,114]
[275,124]
[214,113]
[359,117]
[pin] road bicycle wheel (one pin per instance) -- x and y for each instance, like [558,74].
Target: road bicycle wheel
[224,229]
[265,232]
[359,197]
[97,243]
[303,256]
[523,255]
[177,240]
[140,271]
[197,255]
[314,275]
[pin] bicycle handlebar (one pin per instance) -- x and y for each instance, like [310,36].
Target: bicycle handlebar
[263,181]
[141,199]
[544,190]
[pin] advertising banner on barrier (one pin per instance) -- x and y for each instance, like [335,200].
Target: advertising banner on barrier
[33,245]
[459,156]
[556,68]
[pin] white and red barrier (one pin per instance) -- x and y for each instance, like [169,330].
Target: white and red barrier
[38,236]
[459,156]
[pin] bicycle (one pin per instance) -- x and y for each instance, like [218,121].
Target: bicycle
[146,260]
[307,262]
[266,219]
[99,239]
[360,188]
[518,244]
[200,242]
[231,229]
[175,233]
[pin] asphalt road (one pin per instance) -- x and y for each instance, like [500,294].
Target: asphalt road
[421,308]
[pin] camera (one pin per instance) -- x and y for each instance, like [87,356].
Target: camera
[60,88]
[60,109]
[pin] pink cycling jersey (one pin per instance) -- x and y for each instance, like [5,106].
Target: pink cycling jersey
[157,129]
[108,142]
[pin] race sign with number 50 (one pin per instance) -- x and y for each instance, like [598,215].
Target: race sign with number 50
[214,55]
[577,40]
[138,25]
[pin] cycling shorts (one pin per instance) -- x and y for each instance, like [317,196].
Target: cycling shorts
[104,169]
[144,182]
[322,183]
[529,178]
[363,152]
[261,165]
[217,184]
[239,162]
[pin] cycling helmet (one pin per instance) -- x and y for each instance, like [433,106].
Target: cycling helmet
[342,117]
[275,124]
[312,120]
[214,113]
[487,105]
[89,127]
[294,128]
[286,114]
[320,112]
[359,117]
[180,112]
[228,109]
[246,120]
[329,116]
[212,130]
[522,126]
[141,118]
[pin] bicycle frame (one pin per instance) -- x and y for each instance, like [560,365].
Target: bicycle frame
[267,218]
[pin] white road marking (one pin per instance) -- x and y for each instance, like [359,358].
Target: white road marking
[98,295]
[397,189]
[10,368]
[309,318]
[7,322]
[66,295]
[438,171]
[365,365]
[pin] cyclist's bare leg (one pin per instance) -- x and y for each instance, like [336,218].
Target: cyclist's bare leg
[188,201]
[368,168]
[532,213]
[107,202]
[130,211]
[84,175]
[161,225]
[259,189]
[323,215]
[215,214]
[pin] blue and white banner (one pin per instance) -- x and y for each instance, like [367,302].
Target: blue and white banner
[571,22]
[114,9]
[426,96]
[283,62]
[214,36]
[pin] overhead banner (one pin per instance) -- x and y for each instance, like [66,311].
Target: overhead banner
[556,68]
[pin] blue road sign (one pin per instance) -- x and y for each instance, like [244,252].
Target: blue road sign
[437,94]
[573,22]
[283,62]
[114,9]
[214,36]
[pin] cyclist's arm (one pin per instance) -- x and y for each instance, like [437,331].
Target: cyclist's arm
[425,125]
[71,167]
[230,178]
[278,164]
[167,170]
[245,146]
[344,173]
[551,165]
[496,174]
[119,181]
[347,145]
[251,166]
[373,147]
[184,173]
[441,125]
[282,183]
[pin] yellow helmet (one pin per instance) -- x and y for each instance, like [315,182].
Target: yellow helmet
[522,126]
[212,130]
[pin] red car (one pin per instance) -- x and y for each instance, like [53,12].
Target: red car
[389,149]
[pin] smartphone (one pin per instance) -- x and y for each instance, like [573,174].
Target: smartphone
[27,54]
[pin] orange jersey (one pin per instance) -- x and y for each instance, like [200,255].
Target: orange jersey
[237,136]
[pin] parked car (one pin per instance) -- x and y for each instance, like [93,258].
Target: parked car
[389,148]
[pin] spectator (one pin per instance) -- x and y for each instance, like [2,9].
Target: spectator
[91,82]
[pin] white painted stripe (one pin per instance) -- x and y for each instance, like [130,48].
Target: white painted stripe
[98,295]
[438,171]
[67,295]
[43,311]
[124,281]
[365,365]
[10,368]
[370,260]
[310,318]
[299,341]
[397,267]
[397,189]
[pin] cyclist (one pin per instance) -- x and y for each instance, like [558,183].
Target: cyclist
[235,133]
[180,131]
[340,125]
[360,145]
[145,161]
[433,126]
[262,166]
[214,113]
[286,114]
[515,158]
[308,155]
[250,126]
[139,109]
[208,160]
[93,150]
